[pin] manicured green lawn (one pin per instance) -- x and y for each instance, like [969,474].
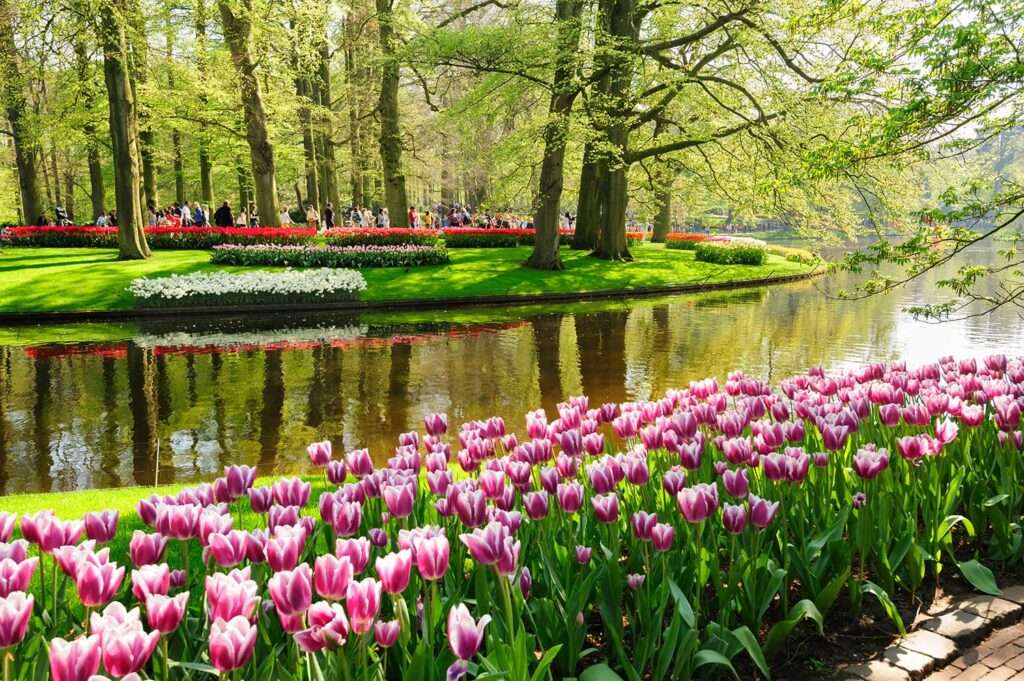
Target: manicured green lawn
[65,279]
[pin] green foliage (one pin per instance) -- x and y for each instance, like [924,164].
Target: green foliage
[729,254]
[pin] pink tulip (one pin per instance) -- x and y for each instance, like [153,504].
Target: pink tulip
[363,604]
[436,424]
[212,522]
[16,575]
[356,550]
[673,480]
[508,557]
[583,554]
[227,597]
[698,502]
[114,616]
[127,649]
[328,628]
[386,633]
[68,557]
[331,576]
[292,590]
[284,548]
[432,556]
[164,613]
[44,529]
[97,583]
[736,483]
[869,463]
[16,550]
[762,511]
[75,660]
[7,521]
[662,536]
[399,499]
[146,549]
[101,526]
[178,522]
[471,506]
[291,492]
[239,479]
[231,643]
[336,472]
[151,580]
[464,633]
[346,518]
[734,518]
[606,507]
[487,544]
[15,612]
[319,453]
[229,549]
[797,466]
[178,579]
[261,499]
[643,524]
[525,582]
[359,463]
[635,581]
[536,504]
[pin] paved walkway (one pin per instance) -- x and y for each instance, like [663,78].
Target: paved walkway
[1000,657]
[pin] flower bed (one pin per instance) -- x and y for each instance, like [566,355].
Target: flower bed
[729,253]
[356,257]
[248,288]
[684,241]
[392,236]
[677,534]
[478,237]
[183,238]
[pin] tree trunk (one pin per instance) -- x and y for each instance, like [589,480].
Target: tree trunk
[663,222]
[548,211]
[58,196]
[328,164]
[123,132]
[352,90]
[16,108]
[96,190]
[179,167]
[588,209]
[390,125]
[139,73]
[69,191]
[203,142]
[302,90]
[238,35]
[244,198]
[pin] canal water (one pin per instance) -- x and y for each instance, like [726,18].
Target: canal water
[90,406]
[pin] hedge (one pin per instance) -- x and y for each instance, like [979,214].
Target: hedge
[161,238]
[396,236]
[725,253]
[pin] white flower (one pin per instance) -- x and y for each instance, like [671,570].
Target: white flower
[255,283]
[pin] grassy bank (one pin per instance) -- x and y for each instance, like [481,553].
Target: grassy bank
[68,279]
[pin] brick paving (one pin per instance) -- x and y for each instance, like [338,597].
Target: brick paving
[1000,657]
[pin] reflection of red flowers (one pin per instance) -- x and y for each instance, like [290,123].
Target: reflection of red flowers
[118,350]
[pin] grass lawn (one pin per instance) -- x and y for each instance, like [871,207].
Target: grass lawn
[67,279]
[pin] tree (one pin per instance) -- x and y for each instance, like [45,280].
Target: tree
[236,16]
[390,123]
[16,107]
[123,131]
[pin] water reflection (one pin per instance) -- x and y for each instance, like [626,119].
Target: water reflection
[161,403]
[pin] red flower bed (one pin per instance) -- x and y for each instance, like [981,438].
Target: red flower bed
[158,237]
[390,236]
[685,241]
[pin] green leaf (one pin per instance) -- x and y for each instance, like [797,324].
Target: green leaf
[714,657]
[545,662]
[887,604]
[683,604]
[196,667]
[753,648]
[778,634]
[827,596]
[998,499]
[952,521]
[599,672]
[980,577]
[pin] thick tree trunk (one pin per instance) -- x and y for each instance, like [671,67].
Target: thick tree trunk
[352,90]
[69,192]
[327,162]
[563,91]
[16,108]
[244,197]
[58,196]
[238,34]
[588,209]
[123,132]
[139,73]
[97,194]
[390,124]
[203,142]
[308,148]
[663,221]
[179,168]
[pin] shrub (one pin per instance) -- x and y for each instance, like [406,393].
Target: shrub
[249,288]
[726,253]
[684,241]
[397,236]
[413,255]
[161,238]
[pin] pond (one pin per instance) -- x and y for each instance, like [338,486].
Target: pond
[91,406]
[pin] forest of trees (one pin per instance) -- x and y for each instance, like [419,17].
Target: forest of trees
[824,114]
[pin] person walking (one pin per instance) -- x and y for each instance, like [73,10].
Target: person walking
[383,219]
[223,216]
[328,216]
[312,217]
[428,220]
[414,218]
[285,217]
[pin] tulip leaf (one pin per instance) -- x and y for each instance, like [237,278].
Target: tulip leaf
[998,499]
[753,648]
[683,604]
[599,672]
[887,604]
[714,657]
[545,662]
[827,596]
[980,577]
[195,666]
[952,521]
[778,634]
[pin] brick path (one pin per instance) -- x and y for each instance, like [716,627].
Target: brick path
[1000,657]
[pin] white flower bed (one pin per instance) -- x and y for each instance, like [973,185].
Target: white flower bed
[218,288]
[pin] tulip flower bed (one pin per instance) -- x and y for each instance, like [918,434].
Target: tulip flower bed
[249,288]
[649,540]
[684,241]
[170,238]
[391,236]
[356,257]
[478,237]
[729,253]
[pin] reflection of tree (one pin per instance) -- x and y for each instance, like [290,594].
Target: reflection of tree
[142,388]
[398,386]
[41,421]
[190,377]
[334,405]
[163,390]
[5,386]
[108,444]
[273,406]
[216,369]
[602,341]
[315,397]
[546,332]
